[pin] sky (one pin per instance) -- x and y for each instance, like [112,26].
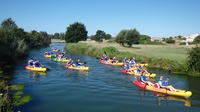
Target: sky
[156,18]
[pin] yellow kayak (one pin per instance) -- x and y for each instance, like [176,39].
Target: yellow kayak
[35,69]
[109,63]
[143,65]
[47,56]
[181,93]
[138,74]
[77,68]
[55,50]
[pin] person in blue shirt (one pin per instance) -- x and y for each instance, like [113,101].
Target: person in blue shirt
[70,62]
[132,62]
[124,60]
[104,57]
[37,64]
[114,60]
[139,69]
[78,63]
[126,67]
[143,79]
[30,62]
[164,84]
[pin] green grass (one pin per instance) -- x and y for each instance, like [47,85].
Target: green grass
[172,52]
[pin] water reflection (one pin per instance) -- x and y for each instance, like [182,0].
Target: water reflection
[79,72]
[36,75]
[163,97]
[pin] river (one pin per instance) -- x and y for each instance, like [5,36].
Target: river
[102,89]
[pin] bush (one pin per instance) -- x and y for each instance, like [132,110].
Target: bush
[194,59]
[170,41]
[110,51]
[128,37]
[144,39]
[197,39]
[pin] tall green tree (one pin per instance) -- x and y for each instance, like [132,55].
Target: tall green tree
[120,38]
[128,37]
[132,37]
[108,36]
[8,24]
[99,36]
[76,32]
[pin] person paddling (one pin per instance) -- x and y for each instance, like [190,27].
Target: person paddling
[114,60]
[70,62]
[143,79]
[78,63]
[163,84]
[124,60]
[37,64]
[30,62]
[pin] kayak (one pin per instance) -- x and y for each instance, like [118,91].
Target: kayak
[55,50]
[77,68]
[58,60]
[142,65]
[35,69]
[138,74]
[181,93]
[47,56]
[113,64]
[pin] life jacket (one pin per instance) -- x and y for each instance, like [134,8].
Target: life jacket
[37,64]
[163,83]
[143,78]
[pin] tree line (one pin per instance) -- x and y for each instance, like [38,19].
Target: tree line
[15,42]
[77,32]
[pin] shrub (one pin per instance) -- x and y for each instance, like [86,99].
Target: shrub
[194,59]
[170,41]
[197,39]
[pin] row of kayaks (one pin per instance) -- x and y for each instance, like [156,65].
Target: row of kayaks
[118,63]
[65,61]
[150,75]
[180,93]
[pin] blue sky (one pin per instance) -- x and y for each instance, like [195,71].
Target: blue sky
[157,18]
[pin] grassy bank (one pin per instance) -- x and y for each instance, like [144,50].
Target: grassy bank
[157,51]
[111,50]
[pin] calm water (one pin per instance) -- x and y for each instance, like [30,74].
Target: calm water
[102,89]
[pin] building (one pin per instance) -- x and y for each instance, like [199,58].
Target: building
[190,38]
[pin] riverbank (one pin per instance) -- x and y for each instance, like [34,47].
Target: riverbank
[178,67]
